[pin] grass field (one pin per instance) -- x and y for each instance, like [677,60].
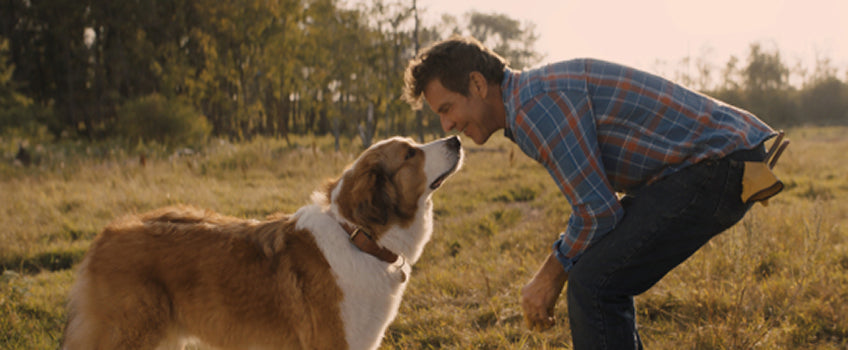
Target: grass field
[777,280]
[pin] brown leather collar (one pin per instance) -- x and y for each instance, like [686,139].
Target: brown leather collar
[365,243]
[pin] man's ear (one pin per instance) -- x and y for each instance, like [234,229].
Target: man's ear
[477,84]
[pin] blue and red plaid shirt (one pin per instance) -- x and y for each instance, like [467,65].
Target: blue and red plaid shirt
[601,128]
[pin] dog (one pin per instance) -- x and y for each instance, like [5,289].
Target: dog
[329,276]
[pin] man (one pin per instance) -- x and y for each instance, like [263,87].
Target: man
[601,129]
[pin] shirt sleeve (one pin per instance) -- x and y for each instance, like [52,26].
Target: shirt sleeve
[558,129]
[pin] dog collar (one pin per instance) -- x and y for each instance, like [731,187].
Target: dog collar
[366,243]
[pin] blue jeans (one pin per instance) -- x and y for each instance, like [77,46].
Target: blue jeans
[664,224]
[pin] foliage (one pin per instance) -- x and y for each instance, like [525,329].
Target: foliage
[282,67]
[9,95]
[762,86]
[19,116]
[765,80]
[27,120]
[824,99]
[506,36]
[251,67]
[777,280]
[168,122]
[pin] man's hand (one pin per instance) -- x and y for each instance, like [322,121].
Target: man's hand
[539,296]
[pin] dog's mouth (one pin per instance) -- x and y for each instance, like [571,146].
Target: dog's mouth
[450,150]
[439,180]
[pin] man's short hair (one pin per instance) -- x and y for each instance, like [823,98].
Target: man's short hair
[451,61]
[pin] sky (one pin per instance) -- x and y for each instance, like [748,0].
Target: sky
[640,32]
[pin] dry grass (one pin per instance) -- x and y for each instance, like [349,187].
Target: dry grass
[778,280]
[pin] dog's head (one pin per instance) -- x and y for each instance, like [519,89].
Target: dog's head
[390,182]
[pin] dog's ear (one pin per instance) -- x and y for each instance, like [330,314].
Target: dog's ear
[366,194]
[375,195]
[405,201]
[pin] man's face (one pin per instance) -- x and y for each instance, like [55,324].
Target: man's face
[466,114]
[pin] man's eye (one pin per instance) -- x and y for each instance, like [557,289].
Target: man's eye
[410,153]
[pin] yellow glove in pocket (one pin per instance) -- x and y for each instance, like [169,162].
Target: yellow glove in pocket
[758,181]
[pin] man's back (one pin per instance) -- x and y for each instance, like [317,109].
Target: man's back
[646,127]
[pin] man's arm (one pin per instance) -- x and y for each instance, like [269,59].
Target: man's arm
[557,128]
[559,131]
[539,296]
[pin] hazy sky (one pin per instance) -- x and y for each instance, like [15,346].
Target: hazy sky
[638,32]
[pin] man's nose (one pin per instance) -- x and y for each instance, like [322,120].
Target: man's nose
[447,124]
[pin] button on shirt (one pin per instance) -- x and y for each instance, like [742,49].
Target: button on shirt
[601,128]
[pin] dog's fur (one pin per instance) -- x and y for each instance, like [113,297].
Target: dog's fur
[160,279]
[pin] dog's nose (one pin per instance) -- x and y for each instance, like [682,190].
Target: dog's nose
[454,143]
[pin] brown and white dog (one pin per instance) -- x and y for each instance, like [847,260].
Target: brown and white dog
[329,276]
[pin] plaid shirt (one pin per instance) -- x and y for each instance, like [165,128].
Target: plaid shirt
[601,128]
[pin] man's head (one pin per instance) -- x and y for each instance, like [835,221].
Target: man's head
[460,80]
[451,62]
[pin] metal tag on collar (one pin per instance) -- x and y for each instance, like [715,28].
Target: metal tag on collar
[357,231]
[353,235]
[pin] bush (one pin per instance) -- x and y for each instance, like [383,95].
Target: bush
[29,121]
[168,122]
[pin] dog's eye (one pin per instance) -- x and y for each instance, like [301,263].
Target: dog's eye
[410,153]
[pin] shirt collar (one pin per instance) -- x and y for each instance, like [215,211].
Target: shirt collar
[508,84]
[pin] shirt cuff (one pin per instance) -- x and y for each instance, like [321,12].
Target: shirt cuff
[567,263]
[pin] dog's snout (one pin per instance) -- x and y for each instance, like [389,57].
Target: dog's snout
[454,143]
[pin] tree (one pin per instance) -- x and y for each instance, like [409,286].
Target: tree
[249,66]
[49,55]
[391,44]
[506,36]
[11,101]
[9,96]
[824,99]
[765,70]
[765,80]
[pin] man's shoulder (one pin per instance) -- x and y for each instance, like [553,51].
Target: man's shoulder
[562,76]
[571,66]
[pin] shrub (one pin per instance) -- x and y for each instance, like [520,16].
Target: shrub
[168,122]
[30,121]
